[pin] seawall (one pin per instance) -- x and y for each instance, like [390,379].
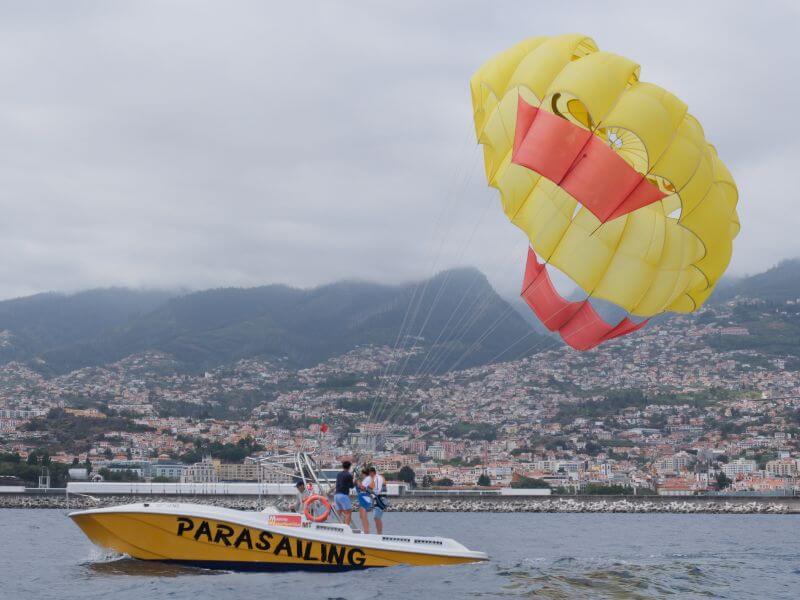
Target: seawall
[551,504]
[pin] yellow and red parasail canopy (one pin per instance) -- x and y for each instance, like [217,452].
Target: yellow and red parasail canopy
[610,178]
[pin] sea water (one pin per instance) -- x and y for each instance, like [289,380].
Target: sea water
[44,555]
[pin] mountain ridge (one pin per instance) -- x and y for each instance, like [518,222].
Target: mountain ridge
[779,283]
[211,327]
[56,333]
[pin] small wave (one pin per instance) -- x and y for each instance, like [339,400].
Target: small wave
[567,577]
[103,555]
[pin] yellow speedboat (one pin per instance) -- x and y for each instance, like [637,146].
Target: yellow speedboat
[213,537]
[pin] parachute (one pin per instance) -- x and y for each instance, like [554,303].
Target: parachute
[610,178]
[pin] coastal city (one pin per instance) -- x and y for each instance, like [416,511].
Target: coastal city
[671,411]
[294,292]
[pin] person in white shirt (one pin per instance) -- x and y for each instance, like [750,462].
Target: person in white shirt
[300,498]
[376,485]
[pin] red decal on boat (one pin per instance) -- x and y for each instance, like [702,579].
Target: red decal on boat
[285,520]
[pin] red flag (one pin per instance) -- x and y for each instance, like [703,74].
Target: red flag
[324,428]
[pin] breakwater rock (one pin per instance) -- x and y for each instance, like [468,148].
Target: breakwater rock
[582,505]
[585,504]
[78,502]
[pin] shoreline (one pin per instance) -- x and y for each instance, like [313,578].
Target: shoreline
[549,504]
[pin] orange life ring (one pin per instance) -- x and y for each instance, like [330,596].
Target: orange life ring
[316,498]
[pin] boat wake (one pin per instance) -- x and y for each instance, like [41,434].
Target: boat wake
[103,555]
[569,577]
[108,562]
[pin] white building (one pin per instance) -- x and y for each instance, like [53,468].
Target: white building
[274,473]
[436,452]
[784,467]
[740,466]
[169,470]
[674,464]
[203,472]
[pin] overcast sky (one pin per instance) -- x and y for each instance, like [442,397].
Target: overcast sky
[201,144]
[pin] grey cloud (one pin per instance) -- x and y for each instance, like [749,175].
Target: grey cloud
[195,144]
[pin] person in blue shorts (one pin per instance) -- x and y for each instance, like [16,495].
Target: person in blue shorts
[375,485]
[341,496]
[364,501]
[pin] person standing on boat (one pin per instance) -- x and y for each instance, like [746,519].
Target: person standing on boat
[375,485]
[364,500]
[300,497]
[341,496]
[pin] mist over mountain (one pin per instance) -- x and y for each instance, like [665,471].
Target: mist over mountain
[36,324]
[771,321]
[778,284]
[457,313]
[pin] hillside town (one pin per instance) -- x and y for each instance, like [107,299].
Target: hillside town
[664,411]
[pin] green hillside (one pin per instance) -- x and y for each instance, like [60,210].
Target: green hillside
[456,311]
[765,306]
[45,321]
[778,284]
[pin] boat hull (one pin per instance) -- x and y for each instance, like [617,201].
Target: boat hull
[220,543]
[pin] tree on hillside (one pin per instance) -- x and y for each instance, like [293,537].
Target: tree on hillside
[484,480]
[126,475]
[599,489]
[38,457]
[407,474]
[529,483]
[593,448]
[227,453]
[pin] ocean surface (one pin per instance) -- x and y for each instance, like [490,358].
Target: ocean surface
[44,555]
